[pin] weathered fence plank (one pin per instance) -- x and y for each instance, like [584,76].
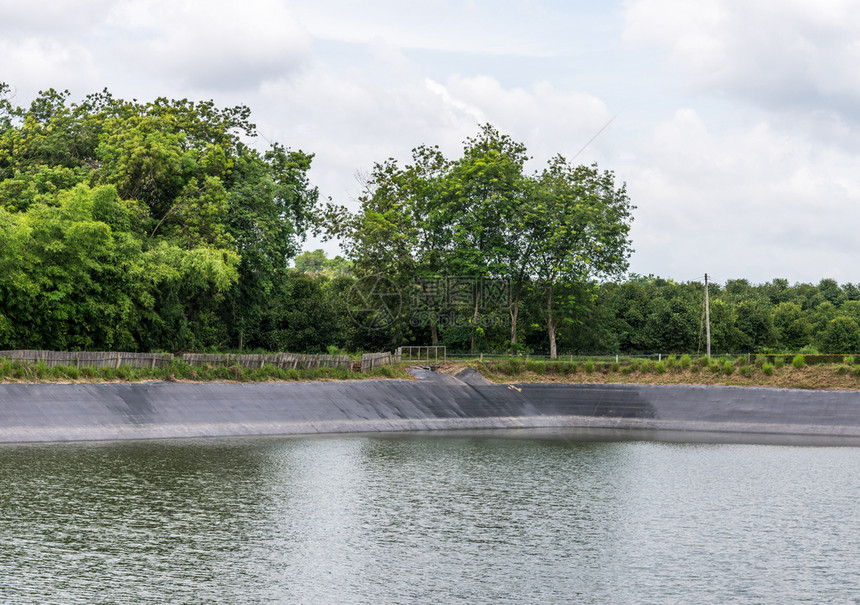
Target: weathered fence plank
[370,361]
[96,359]
[115,359]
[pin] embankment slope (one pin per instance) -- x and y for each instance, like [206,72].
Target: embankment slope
[435,402]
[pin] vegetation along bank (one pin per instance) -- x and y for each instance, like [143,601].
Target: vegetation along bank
[169,225]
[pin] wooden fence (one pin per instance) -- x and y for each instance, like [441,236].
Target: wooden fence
[278,360]
[96,359]
[112,359]
[370,361]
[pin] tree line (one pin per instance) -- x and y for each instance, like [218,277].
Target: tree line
[636,315]
[159,226]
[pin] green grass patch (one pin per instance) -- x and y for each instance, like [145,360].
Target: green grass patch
[178,370]
[536,366]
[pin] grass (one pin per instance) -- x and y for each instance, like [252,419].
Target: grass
[723,371]
[17,371]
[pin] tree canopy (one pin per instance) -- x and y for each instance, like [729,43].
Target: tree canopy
[142,225]
[480,217]
[161,225]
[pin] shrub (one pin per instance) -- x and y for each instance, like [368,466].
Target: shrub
[685,361]
[767,368]
[741,361]
[538,367]
[646,366]
[798,361]
[849,360]
[510,367]
[703,362]
[716,367]
[778,362]
[671,362]
[70,372]
[589,366]
[745,371]
[660,367]
[627,370]
[728,368]
[614,367]
[760,360]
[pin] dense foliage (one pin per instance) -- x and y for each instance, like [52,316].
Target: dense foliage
[128,225]
[158,226]
[462,238]
[643,315]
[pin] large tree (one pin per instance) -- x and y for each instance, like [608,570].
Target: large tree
[480,221]
[142,225]
[584,220]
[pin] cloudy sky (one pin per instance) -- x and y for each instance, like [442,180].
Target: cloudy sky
[734,123]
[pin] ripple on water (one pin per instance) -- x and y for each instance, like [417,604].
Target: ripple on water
[361,520]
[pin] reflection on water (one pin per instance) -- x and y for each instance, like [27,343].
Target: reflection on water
[361,520]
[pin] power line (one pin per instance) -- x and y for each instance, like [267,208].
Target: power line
[591,140]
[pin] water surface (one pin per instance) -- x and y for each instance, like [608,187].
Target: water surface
[363,520]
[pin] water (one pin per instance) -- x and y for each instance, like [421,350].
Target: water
[361,520]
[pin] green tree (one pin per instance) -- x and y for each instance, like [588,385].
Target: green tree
[484,214]
[792,326]
[842,335]
[149,225]
[586,219]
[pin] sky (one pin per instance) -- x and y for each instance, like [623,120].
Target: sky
[735,124]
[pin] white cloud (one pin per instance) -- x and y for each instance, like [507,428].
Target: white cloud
[55,17]
[777,53]
[497,27]
[355,117]
[32,64]
[211,44]
[756,203]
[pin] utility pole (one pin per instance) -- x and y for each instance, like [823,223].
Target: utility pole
[707,318]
